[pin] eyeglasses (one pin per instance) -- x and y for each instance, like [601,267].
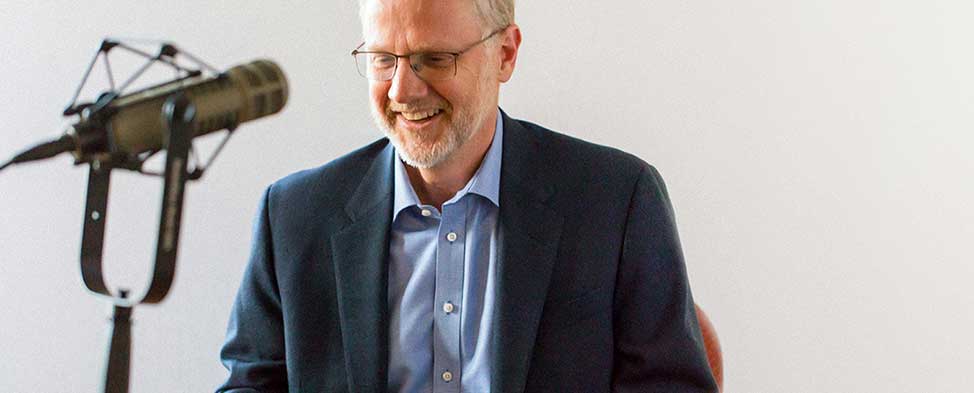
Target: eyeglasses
[428,66]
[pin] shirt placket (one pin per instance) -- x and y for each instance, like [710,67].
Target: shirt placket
[448,298]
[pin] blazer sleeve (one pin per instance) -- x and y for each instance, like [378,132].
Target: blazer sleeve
[254,348]
[658,346]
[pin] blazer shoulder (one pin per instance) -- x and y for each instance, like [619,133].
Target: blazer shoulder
[584,160]
[335,179]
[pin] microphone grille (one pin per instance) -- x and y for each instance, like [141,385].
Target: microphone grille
[264,86]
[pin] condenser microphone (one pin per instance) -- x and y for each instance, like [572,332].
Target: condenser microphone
[134,123]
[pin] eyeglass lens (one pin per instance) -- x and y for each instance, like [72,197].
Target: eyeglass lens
[428,66]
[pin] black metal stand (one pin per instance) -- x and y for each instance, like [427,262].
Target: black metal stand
[179,114]
[119,350]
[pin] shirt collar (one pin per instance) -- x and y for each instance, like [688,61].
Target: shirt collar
[485,181]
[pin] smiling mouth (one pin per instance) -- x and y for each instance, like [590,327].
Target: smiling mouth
[419,115]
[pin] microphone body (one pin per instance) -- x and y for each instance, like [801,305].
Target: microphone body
[134,123]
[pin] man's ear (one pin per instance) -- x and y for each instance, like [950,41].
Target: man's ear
[510,42]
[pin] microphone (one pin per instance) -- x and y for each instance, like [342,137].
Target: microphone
[134,124]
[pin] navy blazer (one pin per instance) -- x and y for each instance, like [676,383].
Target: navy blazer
[592,289]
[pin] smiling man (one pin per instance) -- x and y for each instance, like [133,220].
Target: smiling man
[467,251]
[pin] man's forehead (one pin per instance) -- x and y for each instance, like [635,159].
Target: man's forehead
[416,6]
[416,11]
[424,24]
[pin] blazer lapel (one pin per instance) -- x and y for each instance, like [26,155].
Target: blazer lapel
[528,242]
[360,253]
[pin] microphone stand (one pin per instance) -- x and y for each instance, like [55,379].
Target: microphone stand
[178,113]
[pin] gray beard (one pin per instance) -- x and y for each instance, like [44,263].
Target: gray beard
[422,155]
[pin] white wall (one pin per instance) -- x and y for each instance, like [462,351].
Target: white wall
[818,154]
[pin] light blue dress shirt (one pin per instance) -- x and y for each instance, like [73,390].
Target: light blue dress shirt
[441,280]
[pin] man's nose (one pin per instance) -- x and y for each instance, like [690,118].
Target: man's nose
[406,85]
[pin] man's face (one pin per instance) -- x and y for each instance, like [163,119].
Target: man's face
[429,121]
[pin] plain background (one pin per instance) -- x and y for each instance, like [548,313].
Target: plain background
[818,155]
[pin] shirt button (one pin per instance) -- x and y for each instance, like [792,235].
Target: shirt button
[452,236]
[448,307]
[427,213]
[447,376]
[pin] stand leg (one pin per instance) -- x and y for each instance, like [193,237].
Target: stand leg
[119,351]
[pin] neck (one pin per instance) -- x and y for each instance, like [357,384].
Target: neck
[438,184]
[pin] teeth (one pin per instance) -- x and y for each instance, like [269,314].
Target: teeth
[414,116]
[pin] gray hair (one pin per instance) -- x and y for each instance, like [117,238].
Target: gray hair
[496,14]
